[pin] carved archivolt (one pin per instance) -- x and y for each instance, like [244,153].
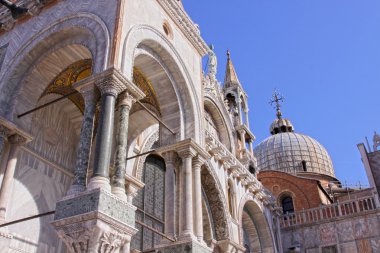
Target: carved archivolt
[218,207]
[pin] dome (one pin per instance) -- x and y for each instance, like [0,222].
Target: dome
[291,153]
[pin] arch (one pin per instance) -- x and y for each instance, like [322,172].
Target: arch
[220,116]
[216,200]
[286,201]
[144,39]
[253,212]
[84,29]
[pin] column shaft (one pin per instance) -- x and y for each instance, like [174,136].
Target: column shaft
[85,143]
[6,186]
[242,139]
[104,136]
[246,119]
[198,201]
[118,179]
[187,197]
[169,196]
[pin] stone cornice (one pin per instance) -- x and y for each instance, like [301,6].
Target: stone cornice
[183,145]
[180,17]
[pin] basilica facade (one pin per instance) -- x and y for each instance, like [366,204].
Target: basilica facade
[114,140]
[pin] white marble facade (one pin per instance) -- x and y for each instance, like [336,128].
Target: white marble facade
[206,184]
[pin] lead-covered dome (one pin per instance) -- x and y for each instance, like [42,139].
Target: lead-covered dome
[291,153]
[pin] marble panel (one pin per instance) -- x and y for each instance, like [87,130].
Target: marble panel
[375,245]
[311,238]
[97,200]
[345,231]
[348,247]
[361,228]
[364,246]
[327,233]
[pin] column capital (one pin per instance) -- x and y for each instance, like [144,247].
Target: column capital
[126,99]
[113,82]
[169,157]
[4,132]
[186,152]
[198,161]
[17,139]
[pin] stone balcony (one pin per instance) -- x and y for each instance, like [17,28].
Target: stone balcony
[335,211]
[235,168]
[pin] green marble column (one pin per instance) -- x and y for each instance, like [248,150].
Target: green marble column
[85,143]
[118,179]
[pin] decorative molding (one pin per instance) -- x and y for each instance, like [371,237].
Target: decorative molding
[190,30]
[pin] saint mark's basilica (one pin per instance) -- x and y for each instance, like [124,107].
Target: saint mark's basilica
[113,139]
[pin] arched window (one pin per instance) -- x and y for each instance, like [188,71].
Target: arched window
[287,204]
[150,203]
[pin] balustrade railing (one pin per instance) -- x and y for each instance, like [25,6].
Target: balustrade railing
[328,212]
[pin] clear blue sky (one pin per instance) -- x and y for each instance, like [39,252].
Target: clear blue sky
[323,56]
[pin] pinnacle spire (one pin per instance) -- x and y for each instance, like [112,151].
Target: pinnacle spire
[230,78]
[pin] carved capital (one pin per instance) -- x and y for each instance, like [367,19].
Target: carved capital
[198,161]
[17,139]
[4,132]
[108,85]
[186,152]
[126,99]
[170,157]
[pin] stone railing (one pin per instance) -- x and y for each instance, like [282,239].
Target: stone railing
[220,152]
[329,212]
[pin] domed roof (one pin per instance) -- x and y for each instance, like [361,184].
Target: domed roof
[291,153]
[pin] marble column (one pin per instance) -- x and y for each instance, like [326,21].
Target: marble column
[100,176]
[169,193]
[15,142]
[198,216]
[242,139]
[187,197]
[85,142]
[251,146]
[118,179]
[246,118]
[4,132]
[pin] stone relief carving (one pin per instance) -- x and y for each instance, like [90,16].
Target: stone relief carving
[77,241]
[216,201]
[110,242]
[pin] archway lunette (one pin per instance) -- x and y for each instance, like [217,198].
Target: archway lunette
[147,38]
[86,30]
